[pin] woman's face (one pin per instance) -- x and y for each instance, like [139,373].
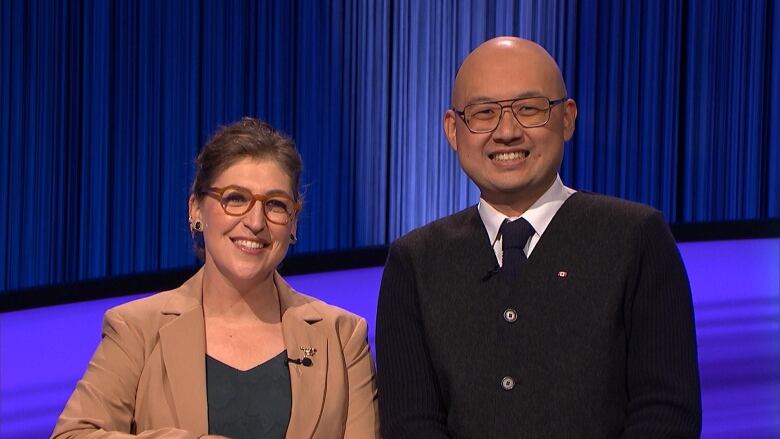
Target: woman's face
[247,247]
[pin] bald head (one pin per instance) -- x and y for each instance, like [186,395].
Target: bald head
[508,58]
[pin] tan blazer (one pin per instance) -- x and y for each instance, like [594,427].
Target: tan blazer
[148,375]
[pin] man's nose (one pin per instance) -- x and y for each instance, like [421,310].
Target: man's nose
[508,127]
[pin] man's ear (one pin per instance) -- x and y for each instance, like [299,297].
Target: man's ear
[569,118]
[449,124]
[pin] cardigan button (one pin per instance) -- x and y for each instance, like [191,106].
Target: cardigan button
[508,383]
[510,315]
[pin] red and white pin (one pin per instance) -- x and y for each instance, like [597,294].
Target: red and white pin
[563,274]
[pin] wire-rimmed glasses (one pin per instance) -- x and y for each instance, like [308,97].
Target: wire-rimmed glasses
[530,112]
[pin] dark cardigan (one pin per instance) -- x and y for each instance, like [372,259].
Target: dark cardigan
[604,344]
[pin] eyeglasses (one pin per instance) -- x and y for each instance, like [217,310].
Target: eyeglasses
[237,201]
[484,117]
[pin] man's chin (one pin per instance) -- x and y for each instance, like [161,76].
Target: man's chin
[508,190]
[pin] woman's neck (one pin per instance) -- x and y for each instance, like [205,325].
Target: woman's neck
[246,301]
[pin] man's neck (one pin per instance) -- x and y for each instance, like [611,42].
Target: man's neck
[513,204]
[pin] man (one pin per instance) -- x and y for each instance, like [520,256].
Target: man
[572,320]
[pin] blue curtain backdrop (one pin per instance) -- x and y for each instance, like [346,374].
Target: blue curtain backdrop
[104,105]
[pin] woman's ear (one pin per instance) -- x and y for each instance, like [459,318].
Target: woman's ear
[194,209]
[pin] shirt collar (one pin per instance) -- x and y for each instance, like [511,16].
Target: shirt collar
[539,214]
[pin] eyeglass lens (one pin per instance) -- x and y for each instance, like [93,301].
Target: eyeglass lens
[529,112]
[238,201]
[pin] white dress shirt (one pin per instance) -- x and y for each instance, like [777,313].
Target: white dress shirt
[539,215]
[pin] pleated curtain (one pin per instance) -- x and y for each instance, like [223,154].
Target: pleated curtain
[104,105]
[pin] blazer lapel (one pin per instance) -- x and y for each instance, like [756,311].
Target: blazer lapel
[183,343]
[299,326]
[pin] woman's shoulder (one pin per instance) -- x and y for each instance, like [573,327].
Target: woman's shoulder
[144,306]
[306,304]
[328,317]
[171,302]
[328,311]
[349,328]
[147,315]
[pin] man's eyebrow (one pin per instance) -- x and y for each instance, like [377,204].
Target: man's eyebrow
[483,99]
[480,100]
[530,94]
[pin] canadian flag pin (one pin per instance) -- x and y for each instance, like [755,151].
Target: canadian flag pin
[562,274]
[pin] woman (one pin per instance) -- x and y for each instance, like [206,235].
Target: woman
[234,351]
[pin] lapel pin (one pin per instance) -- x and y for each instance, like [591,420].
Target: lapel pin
[562,274]
[308,352]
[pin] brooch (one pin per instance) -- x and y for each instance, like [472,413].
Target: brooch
[308,352]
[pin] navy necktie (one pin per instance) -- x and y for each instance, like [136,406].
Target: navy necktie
[514,236]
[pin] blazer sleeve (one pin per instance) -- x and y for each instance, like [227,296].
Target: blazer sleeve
[103,402]
[662,363]
[410,404]
[362,416]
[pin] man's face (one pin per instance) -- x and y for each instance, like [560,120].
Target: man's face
[512,165]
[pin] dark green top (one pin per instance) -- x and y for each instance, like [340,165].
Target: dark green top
[255,403]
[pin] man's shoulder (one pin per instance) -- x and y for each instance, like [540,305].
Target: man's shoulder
[608,219]
[446,228]
[605,206]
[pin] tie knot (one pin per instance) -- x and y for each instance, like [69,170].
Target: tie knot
[515,234]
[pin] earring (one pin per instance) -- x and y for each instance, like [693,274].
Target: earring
[196,226]
[293,239]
